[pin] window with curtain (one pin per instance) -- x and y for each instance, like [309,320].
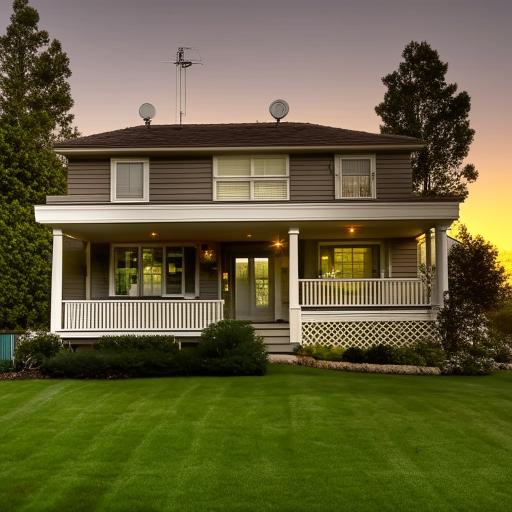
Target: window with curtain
[356,175]
[349,262]
[129,180]
[256,178]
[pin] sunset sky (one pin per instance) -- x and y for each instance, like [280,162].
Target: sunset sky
[326,58]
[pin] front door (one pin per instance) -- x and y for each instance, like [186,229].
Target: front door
[253,289]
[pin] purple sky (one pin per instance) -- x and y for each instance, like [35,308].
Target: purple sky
[325,58]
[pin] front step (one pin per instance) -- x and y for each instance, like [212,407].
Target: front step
[276,337]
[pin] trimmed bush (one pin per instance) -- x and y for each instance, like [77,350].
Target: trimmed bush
[231,347]
[92,364]
[321,352]
[431,351]
[33,349]
[5,366]
[354,355]
[157,343]
[380,354]
[407,356]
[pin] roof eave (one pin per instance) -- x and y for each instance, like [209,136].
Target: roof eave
[69,151]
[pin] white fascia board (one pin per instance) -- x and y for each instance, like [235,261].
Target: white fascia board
[244,212]
[235,149]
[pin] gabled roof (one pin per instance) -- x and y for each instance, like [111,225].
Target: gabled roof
[268,135]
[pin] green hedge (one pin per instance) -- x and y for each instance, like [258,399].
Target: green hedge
[158,343]
[227,348]
[423,353]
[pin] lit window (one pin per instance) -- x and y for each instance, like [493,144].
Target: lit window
[348,262]
[257,178]
[154,271]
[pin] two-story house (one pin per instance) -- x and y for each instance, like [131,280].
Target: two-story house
[310,232]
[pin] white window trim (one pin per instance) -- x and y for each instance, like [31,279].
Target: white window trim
[338,176]
[145,180]
[164,246]
[252,177]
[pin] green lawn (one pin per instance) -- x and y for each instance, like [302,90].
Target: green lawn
[297,439]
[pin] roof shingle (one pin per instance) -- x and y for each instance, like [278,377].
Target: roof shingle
[234,135]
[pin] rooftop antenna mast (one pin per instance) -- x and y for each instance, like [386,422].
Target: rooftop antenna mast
[182,63]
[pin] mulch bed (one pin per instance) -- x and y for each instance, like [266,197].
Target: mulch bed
[354,367]
[23,375]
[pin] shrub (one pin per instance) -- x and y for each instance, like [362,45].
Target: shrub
[502,320]
[5,366]
[354,355]
[409,356]
[32,349]
[380,354]
[464,363]
[130,343]
[91,364]
[431,351]
[322,352]
[231,347]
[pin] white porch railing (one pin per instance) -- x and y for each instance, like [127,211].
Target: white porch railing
[363,292]
[142,315]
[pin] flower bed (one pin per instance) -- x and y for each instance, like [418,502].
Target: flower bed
[354,367]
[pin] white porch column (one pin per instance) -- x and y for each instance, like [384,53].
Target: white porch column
[56,300]
[441,264]
[295,317]
[428,264]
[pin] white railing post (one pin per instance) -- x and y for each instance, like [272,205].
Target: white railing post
[441,263]
[295,309]
[56,298]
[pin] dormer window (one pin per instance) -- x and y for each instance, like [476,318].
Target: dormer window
[251,178]
[129,180]
[355,176]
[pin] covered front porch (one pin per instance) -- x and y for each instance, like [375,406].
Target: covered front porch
[132,278]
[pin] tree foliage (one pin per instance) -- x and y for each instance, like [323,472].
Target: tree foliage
[420,103]
[35,103]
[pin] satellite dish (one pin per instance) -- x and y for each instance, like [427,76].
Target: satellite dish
[147,112]
[278,109]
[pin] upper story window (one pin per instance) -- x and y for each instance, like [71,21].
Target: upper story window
[355,176]
[250,178]
[129,180]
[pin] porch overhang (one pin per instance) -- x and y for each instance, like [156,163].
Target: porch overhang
[235,221]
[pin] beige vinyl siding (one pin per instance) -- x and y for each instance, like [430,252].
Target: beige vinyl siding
[312,177]
[404,257]
[394,176]
[100,254]
[89,178]
[73,269]
[183,180]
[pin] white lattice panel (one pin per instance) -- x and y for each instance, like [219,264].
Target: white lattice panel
[365,334]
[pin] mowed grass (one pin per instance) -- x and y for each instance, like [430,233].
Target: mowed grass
[296,439]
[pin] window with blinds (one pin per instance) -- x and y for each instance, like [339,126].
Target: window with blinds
[356,176]
[251,178]
[130,180]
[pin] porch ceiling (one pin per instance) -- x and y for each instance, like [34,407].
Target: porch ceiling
[239,231]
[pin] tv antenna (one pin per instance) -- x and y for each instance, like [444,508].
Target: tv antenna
[182,63]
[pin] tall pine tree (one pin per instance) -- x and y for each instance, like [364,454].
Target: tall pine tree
[35,103]
[420,103]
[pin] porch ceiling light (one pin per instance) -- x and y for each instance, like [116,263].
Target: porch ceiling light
[351,230]
[154,234]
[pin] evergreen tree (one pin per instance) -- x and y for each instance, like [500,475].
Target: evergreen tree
[35,103]
[420,103]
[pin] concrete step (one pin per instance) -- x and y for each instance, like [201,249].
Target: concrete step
[276,340]
[270,333]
